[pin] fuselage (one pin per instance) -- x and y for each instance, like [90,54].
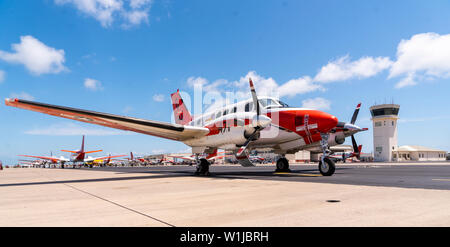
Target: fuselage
[291,128]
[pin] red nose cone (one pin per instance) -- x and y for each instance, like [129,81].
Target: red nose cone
[326,121]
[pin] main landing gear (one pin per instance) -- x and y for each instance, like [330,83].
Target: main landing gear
[282,165]
[203,167]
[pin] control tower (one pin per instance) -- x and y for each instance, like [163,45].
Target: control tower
[384,118]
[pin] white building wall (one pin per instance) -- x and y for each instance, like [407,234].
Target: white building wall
[384,137]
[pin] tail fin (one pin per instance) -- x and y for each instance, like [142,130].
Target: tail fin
[82,146]
[181,113]
[359,152]
[131,156]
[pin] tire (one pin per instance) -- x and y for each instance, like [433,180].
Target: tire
[203,168]
[282,164]
[329,168]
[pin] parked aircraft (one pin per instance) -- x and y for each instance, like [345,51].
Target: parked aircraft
[78,157]
[102,161]
[343,156]
[250,124]
[210,157]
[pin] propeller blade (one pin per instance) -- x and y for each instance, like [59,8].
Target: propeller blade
[249,139]
[254,96]
[259,121]
[356,148]
[355,114]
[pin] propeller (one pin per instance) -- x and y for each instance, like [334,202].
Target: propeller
[259,122]
[352,126]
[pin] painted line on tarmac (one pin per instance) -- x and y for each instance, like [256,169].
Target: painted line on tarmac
[298,174]
[441,179]
[127,208]
[106,200]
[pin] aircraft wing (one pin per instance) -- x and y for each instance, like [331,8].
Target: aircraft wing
[182,157]
[155,128]
[42,157]
[103,158]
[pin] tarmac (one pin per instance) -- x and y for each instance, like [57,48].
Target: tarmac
[364,194]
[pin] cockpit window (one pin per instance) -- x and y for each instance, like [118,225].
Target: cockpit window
[284,105]
[270,103]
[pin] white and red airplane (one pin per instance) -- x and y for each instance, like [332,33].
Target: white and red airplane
[77,157]
[250,124]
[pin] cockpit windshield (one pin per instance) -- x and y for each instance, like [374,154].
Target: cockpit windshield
[272,103]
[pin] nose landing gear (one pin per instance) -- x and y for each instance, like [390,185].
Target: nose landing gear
[326,165]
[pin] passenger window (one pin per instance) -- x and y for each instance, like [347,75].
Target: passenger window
[234,109]
[218,114]
[247,107]
[225,112]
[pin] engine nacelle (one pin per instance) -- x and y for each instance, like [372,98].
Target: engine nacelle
[249,132]
[224,137]
[336,139]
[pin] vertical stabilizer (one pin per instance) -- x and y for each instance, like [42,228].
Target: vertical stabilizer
[181,113]
[82,146]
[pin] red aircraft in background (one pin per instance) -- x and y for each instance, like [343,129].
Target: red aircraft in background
[78,157]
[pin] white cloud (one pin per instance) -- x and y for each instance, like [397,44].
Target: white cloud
[21,95]
[317,103]
[299,86]
[196,81]
[158,97]
[2,76]
[344,69]
[35,56]
[263,86]
[424,56]
[135,17]
[222,92]
[92,84]
[106,11]
[407,81]
[135,4]
[71,129]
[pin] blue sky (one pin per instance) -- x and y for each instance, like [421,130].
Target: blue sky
[128,57]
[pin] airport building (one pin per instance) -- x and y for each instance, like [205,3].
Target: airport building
[384,126]
[418,153]
[385,144]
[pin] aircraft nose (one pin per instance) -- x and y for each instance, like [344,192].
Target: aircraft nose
[326,122]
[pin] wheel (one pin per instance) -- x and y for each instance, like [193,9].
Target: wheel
[283,165]
[203,168]
[328,168]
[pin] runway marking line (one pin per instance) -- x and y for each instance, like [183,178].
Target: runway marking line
[441,179]
[298,174]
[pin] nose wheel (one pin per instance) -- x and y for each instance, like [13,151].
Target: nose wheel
[326,165]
